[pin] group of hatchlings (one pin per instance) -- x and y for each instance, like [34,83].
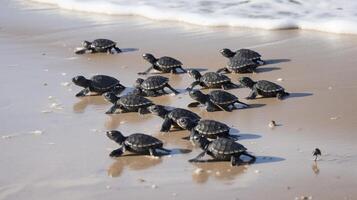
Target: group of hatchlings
[211,136]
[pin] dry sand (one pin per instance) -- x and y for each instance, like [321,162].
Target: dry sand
[53,145]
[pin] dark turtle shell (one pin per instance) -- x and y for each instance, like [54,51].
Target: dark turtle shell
[103,82]
[139,140]
[225,146]
[168,62]
[154,82]
[102,44]
[222,97]
[269,87]
[248,54]
[177,113]
[211,127]
[213,78]
[132,100]
[238,62]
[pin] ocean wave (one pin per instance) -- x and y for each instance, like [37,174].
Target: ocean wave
[321,15]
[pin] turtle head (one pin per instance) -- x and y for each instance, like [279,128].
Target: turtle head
[111,97]
[194,74]
[199,140]
[185,123]
[198,96]
[138,82]
[158,110]
[149,57]
[227,53]
[116,136]
[246,82]
[81,81]
[86,44]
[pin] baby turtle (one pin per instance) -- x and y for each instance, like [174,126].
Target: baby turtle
[210,129]
[128,103]
[164,64]
[171,116]
[243,53]
[97,85]
[136,143]
[221,149]
[211,80]
[239,64]
[152,86]
[215,100]
[263,88]
[99,46]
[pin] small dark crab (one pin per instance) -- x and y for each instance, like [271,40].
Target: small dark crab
[164,64]
[98,46]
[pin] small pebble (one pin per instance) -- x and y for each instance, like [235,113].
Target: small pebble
[46,111]
[50,97]
[272,124]
[141,180]
[218,173]
[37,132]
[172,94]
[280,79]
[153,186]
[51,143]
[199,171]
[45,70]
[65,84]
[45,84]
[108,187]
[333,118]
[330,88]
[257,171]
[7,136]
[63,74]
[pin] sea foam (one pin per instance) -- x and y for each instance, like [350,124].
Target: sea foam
[335,16]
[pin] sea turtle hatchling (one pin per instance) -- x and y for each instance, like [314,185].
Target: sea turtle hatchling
[171,116]
[164,64]
[211,80]
[221,149]
[238,64]
[214,101]
[128,103]
[152,86]
[210,129]
[243,53]
[98,46]
[136,143]
[263,88]
[97,85]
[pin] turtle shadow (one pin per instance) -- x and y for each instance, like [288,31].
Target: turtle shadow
[276,61]
[298,94]
[84,102]
[254,105]
[160,153]
[268,159]
[248,136]
[125,50]
[200,69]
[267,69]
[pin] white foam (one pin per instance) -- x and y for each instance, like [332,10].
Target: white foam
[335,16]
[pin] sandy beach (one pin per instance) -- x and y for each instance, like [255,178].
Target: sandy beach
[53,145]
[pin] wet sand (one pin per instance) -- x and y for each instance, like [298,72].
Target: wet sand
[54,147]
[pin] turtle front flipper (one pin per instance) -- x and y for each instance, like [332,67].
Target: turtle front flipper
[183,71]
[117,152]
[112,109]
[235,160]
[244,104]
[163,149]
[252,94]
[81,51]
[146,71]
[210,107]
[253,158]
[282,95]
[198,157]
[166,125]
[117,50]
[193,85]
[143,111]
[83,92]
[172,89]
[229,85]
[223,69]
[153,152]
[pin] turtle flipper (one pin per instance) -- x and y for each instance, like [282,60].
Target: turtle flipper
[235,161]
[146,71]
[83,92]
[252,94]
[224,69]
[165,150]
[193,104]
[196,159]
[192,85]
[118,89]
[253,158]
[112,109]
[117,152]
[153,152]
[246,105]
[210,107]
[281,95]
[81,51]
[143,110]
[117,49]
[166,125]
[172,89]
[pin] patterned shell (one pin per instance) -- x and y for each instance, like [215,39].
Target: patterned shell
[103,82]
[247,53]
[225,146]
[268,86]
[222,97]
[239,62]
[132,100]
[214,78]
[211,127]
[142,141]
[168,62]
[154,82]
[177,113]
[102,43]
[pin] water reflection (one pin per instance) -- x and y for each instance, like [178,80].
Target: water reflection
[315,168]
[82,104]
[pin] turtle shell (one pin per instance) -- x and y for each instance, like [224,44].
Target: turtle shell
[213,78]
[177,113]
[103,82]
[247,53]
[168,62]
[102,44]
[222,97]
[154,82]
[139,140]
[132,100]
[269,87]
[225,146]
[211,127]
[238,62]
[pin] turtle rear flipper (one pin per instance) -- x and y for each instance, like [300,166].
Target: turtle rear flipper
[199,156]
[166,125]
